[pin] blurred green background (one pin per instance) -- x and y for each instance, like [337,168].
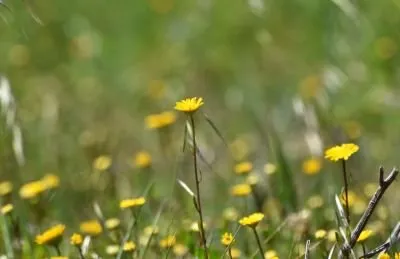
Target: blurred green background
[85,74]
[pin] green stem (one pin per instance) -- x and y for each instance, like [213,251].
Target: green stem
[346,192]
[198,198]
[258,242]
[230,253]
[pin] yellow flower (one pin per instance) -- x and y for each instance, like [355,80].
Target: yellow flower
[397,256]
[195,226]
[51,236]
[91,227]
[269,168]
[50,181]
[230,214]
[189,105]
[365,234]
[243,168]
[32,189]
[227,239]
[180,250]
[102,163]
[271,254]
[343,151]
[315,201]
[320,234]
[142,159]
[383,256]
[129,246]
[161,120]
[168,241]
[251,220]
[236,253]
[7,209]
[76,239]
[312,166]
[332,235]
[5,188]
[241,190]
[150,230]
[112,223]
[112,249]
[131,203]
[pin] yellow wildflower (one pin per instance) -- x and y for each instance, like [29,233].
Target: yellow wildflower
[227,239]
[343,151]
[240,190]
[168,241]
[112,223]
[102,163]
[269,168]
[312,166]
[383,256]
[76,239]
[5,188]
[32,189]
[236,253]
[320,234]
[142,159]
[271,254]
[7,209]
[251,220]
[189,105]
[365,234]
[180,250]
[50,181]
[131,203]
[331,235]
[129,246]
[91,227]
[51,236]
[243,168]
[161,120]
[112,249]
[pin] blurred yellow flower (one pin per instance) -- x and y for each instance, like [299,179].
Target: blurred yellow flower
[370,188]
[5,188]
[271,254]
[142,159]
[150,230]
[241,189]
[312,166]
[243,168]
[112,223]
[252,220]
[112,249]
[230,214]
[76,239]
[102,163]
[315,201]
[161,120]
[131,203]
[129,246]
[332,235]
[343,151]
[253,179]
[180,250]
[7,209]
[383,256]
[227,239]
[50,181]
[195,226]
[32,189]
[189,105]
[352,196]
[168,241]
[269,168]
[51,236]
[320,234]
[365,234]
[236,253]
[91,227]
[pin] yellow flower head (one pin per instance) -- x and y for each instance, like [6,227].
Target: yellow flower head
[112,249]
[102,163]
[189,105]
[112,223]
[332,235]
[5,188]
[51,236]
[240,190]
[243,168]
[142,159]
[271,254]
[383,256]
[320,234]
[76,239]
[7,209]
[129,246]
[195,226]
[32,189]
[269,168]
[131,203]
[315,201]
[227,239]
[312,166]
[161,120]
[50,181]
[252,220]
[150,230]
[91,227]
[168,242]
[180,250]
[343,151]
[236,253]
[365,234]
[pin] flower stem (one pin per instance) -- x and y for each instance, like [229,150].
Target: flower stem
[258,242]
[346,192]
[230,252]
[198,198]
[58,250]
[80,253]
